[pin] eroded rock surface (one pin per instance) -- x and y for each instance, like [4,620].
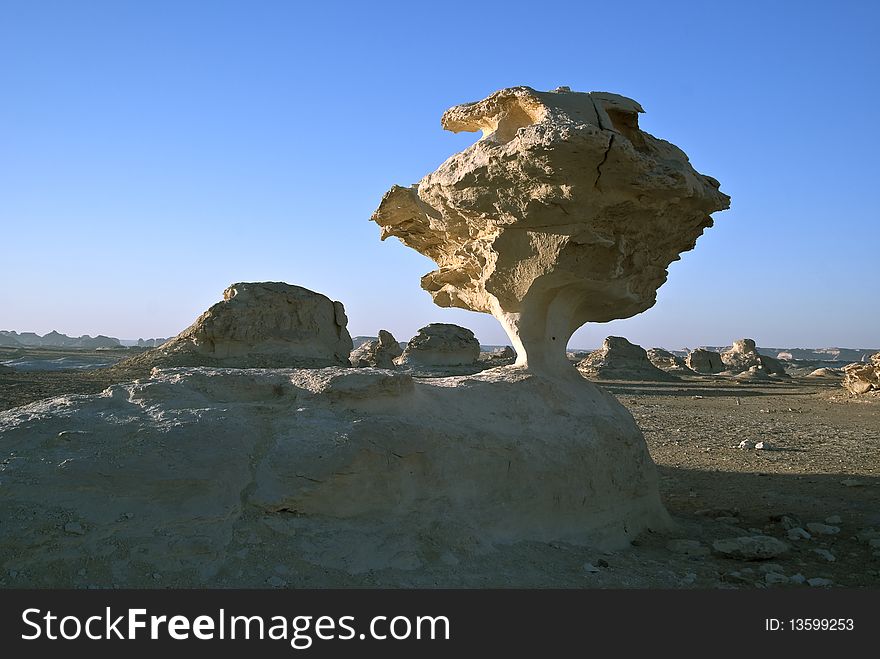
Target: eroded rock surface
[743,357]
[618,359]
[200,471]
[380,352]
[704,361]
[259,325]
[863,378]
[441,344]
[564,212]
[669,362]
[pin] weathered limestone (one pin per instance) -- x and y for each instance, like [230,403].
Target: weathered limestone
[665,360]
[564,212]
[863,377]
[704,361]
[743,356]
[828,373]
[351,469]
[441,344]
[380,352]
[618,359]
[259,325]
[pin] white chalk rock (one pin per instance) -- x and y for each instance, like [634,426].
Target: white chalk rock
[618,359]
[379,353]
[441,344]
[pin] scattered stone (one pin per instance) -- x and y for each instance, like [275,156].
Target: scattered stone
[827,555]
[770,567]
[797,578]
[764,446]
[603,563]
[74,528]
[746,444]
[833,519]
[797,533]
[750,548]
[817,582]
[817,528]
[774,578]
[275,581]
[590,568]
[688,547]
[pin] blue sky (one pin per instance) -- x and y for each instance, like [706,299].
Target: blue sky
[151,153]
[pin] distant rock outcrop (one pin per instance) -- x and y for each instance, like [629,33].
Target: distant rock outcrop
[55,339]
[259,325]
[150,343]
[744,356]
[665,360]
[704,361]
[379,353]
[441,344]
[863,378]
[618,359]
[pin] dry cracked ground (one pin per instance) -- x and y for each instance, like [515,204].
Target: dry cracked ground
[816,489]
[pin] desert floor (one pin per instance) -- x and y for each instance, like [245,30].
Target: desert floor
[824,462]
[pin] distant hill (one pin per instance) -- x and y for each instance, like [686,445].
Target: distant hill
[56,340]
[843,355]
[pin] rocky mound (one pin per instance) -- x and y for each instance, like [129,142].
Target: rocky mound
[832,373]
[744,356]
[441,344]
[380,352]
[618,359]
[863,378]
[704,361]
[199,472]
[666,361]
[259,325]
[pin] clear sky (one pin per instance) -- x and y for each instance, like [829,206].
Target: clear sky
[153,152]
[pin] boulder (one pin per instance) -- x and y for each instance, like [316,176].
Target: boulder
[704,361]
[380,352]
[666,361]
[864,377]
[827,373]
[259,325]
[618,359]
[564,212]
[441,344]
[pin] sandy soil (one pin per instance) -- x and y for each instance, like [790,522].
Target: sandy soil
[824,462]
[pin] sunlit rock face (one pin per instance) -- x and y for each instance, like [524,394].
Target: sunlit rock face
[564,212]
[260,325]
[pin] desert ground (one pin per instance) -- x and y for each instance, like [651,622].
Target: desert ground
[823,468]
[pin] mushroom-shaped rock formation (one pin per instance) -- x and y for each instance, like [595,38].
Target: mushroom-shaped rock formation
[564,212]
[259,325]
[380,352]
[862,378]
[704,361]
[618,359]
[441,344]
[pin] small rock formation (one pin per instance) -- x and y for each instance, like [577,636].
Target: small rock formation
[564,212]
[828,373]
[750,548]
[665,360]
[441,344]
[618,359]
[863,378]
[379,353]
[704,361]
[744,357]
[259,325]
